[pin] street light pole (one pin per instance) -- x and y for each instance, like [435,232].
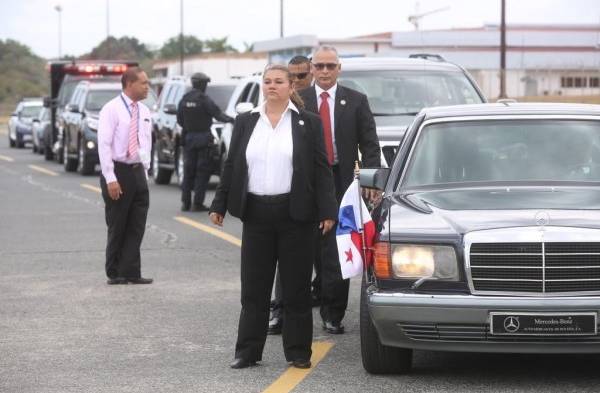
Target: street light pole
[281,18]
[58,9]
[503,50]
[181,46]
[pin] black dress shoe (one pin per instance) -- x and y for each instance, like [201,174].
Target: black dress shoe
[199,208]
[301,363]
[140,280]
[275,325]
[185,207]
[333,327]
[242,363]
[116,281]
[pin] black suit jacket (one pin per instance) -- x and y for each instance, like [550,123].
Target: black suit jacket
[354,129]
[312,190]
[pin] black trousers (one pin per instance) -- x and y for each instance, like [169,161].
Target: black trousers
[126,221]
[197,170]
[334,289]
[269,237]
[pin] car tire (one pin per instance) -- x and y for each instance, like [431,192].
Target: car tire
[19,141]
[159,175]
[11,142]
[378,358]
[70,164]
[34,148]
[48,155]
[180,166]
[84,165]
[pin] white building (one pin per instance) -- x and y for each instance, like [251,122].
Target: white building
[218,66]
[540,59]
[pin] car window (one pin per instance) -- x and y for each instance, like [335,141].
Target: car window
[166,96]
[75,97]
[402,92]
[150,101]
[96,99]
[245,95]
[179,94]
[254,94]
[220,94]
[66,92]
[505,151]
[31,111]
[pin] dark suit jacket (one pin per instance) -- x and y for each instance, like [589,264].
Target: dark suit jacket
[354,129]
[312,190]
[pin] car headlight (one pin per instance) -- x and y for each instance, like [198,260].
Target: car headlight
[424,261]
[92,123]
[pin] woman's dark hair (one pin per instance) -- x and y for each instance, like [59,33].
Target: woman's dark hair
[294,97]
[130,75]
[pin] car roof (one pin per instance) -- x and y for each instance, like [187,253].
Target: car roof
[101,85]
[512,108]
[32,102]
[396,63]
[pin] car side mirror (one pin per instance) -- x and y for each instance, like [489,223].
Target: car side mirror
[47,102]
[374,177]
[35,120]
[72,108]
[170,109]
[14,114]
[243,107]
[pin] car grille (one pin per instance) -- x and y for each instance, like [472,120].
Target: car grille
[535,267]
[476,332]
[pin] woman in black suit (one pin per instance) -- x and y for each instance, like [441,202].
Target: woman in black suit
[276,179]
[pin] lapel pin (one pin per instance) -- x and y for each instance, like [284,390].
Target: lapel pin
[343,102]
[301,122]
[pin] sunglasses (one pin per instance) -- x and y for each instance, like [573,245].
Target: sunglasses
[300,75]
[329,66]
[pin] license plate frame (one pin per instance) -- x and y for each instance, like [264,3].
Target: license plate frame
[554,324]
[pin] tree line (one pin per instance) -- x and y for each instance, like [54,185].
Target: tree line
[23,73]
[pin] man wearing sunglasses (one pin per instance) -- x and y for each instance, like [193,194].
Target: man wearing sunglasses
[348,126]
[299,67]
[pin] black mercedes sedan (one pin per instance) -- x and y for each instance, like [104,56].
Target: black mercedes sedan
[488,235]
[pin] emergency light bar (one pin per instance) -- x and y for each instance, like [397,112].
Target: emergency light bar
[91,68]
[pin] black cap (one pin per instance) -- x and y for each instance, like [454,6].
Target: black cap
[200,77]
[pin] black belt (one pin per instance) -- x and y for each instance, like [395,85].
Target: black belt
[279,198]
[124,164]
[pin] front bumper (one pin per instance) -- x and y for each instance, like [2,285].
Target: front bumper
[461,322]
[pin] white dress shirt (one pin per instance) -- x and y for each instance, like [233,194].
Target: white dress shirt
[269,154]
[331,101]
[113,135]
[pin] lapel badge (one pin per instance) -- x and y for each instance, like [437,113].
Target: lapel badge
[301,122]
[343,102]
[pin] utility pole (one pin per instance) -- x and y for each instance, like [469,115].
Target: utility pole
[181,46]
[58,9]
[503,50]
[108,29]
[281,18]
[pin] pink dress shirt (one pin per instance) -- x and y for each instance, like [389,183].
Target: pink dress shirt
[113,135]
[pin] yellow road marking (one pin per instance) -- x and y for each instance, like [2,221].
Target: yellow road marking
[43,170]
[91,188]
[215,232]
[293,376]
[6,158]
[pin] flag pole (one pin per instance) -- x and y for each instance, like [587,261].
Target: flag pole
[362,228]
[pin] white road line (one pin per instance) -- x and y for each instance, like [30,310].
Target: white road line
[6,158]
[43,170]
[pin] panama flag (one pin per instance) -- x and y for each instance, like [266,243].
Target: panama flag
[348,232]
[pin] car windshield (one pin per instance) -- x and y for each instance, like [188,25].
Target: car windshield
[220,94]
[505,151]
[150,101]
[66,91]
[31,111]
[407,92]
[97,98]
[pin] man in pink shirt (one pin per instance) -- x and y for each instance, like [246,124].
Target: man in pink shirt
[124,144]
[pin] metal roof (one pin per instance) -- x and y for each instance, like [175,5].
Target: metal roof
[395,63]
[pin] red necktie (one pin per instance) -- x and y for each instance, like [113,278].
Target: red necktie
[326,119]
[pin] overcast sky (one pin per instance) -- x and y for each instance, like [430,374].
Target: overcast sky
[35,22]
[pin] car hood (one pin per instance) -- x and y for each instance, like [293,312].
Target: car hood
[392,128]
[451,212]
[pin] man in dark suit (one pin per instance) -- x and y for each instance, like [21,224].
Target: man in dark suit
[348,126]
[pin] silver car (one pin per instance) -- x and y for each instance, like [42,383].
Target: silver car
[488,235]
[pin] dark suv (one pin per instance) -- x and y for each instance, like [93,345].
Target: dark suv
[167,151]
[80,123]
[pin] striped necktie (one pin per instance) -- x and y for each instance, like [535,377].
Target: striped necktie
[133,145]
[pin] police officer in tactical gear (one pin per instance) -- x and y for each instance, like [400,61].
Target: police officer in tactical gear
[195,114]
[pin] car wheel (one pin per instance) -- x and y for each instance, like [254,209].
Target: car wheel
[34,148]
[48,155]
[11,142]
[84,166]
[20,143]
[377,358]
[179,169]
[70,164]
[160,175]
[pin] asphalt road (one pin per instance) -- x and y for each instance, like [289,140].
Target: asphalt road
[62,329]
